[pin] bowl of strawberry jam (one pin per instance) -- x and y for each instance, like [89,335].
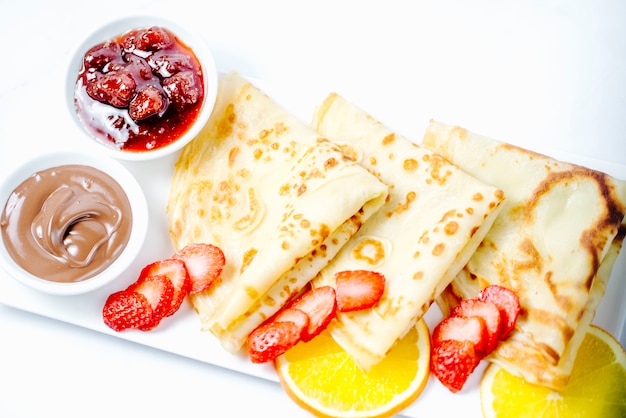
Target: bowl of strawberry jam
[141,87]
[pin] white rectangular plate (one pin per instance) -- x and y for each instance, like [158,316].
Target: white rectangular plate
[180,334]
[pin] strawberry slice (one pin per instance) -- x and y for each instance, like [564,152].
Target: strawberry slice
[358,289]
[452,362]
[125,310]
[158,290]
[320,305]
[294,315]
[204,263]
[507,302]
[488,312]
[176,272]
[456,328]
[271,339]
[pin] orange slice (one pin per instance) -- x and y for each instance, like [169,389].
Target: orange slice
[323,379]
[597,386]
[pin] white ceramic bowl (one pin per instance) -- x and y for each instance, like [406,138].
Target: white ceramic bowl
[118,27]
[138,230]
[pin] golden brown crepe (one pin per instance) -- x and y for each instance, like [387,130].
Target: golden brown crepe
[277,198]
[554,244]
[434,218]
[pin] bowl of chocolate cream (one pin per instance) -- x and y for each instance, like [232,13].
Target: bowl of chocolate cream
[70,222]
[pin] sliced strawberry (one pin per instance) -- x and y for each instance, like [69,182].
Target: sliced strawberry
[158,290]
[320,305]
[176,272]
[488,312]
[507,302]
[294,315]
[125,310]
[271,339]
[204,263]
[358,289]
[457,328]
[452,362]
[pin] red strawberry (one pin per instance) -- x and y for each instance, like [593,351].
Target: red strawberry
[457,328]
[452,362]
[358,289]
[507,302]
[488,312]
[271,339]
[176,272]
[148,101]
[184,88]
[158,290]
[125,309]
[320,305]
[204,263]
[294,315]
[152,39]
[115,88]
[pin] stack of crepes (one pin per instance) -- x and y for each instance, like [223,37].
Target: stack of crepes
[283,202]
[277,198]
[554,244]
[432,222]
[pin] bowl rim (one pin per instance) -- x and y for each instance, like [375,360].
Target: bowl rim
[139,227]
[117,26]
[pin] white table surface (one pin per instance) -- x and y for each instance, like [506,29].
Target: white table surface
[549,75]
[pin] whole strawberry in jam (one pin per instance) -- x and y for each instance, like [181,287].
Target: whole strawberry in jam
[102,54]
[115,88]
[148,101]
[184,88]
[154,38]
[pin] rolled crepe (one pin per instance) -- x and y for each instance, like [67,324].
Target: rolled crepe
[277,198]
[433,220]
[554,244]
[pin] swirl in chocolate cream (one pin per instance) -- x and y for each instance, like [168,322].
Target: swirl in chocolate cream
[66,224]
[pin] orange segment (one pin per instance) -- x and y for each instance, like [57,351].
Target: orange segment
[322,378]
[597,386]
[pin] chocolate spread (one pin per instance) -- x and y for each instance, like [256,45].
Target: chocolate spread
[66,224]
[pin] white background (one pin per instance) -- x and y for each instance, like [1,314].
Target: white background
[548,75]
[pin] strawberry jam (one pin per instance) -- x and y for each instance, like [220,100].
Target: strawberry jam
[140,91]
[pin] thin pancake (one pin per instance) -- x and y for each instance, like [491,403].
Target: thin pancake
[554,244]
[434,218]
[278,199]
